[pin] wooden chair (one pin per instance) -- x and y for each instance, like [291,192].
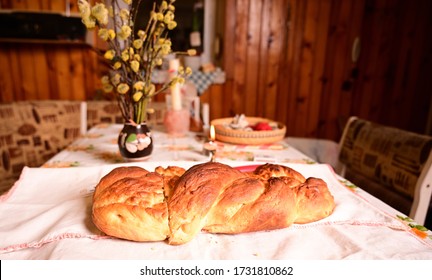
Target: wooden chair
[392,164]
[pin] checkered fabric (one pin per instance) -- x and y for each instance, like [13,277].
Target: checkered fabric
[202,80]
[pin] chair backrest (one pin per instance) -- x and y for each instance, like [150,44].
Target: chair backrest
[31,132]
[400,161]
[107,111]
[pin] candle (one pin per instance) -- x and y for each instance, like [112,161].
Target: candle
[212,133]
[175,89]
[206,115]
[211,147]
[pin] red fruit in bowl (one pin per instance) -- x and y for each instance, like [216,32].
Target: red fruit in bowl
[262,126]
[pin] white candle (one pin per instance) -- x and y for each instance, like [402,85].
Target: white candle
[206,115]
[175,89]
[212,133]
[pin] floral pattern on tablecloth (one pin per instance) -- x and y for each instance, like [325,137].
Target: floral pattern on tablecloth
[419,230]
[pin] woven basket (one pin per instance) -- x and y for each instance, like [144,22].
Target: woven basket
[226,134]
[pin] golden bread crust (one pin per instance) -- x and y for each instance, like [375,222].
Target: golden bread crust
[175,204]
[194,195]
[132,208]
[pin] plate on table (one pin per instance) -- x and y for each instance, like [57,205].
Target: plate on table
[224,133]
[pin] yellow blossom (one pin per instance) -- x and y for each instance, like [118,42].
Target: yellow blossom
[89,22]
[124,14]
[100,12]
[125,32]
[138,43]
[107,87]
[105,79]
[171,25]
[150,90]
[164,5]
[111,34]
[142,34]
[139,85]
[117,65]
[133,56]
[122,88]
[115,80]
[125,55]
[191,52]
[109,54]
[188,71]
[135,66]
[137,96]
[84,8]
[103,34]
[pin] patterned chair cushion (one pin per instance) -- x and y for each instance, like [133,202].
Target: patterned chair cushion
[103,111]
[31,132]
[392,157]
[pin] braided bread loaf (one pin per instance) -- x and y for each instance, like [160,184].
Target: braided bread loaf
[176,204]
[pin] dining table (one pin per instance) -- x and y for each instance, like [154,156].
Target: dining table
[47,214]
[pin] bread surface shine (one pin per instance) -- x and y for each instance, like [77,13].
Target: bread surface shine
[175,204]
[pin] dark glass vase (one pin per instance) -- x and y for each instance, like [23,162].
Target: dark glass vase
[135,142]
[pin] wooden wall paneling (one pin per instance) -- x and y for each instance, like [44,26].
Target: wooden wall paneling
[64,75]
[18,4]
[33,5]
[272,44]
[229,39]
[311,67]
[63,66]
[54,82]
[319,25]
[238,94]
[253,67]
[407,46]
[15,69]
[40,68]
[214,95]
[58,5]
[7,86]
[421,53]
[305,68]
[337,68]
[92,74]
[373,60]
[28,77]
[284,80]
[386,81]
[77,77]
[290,83]
[422,84]
[352,67]
[392,48]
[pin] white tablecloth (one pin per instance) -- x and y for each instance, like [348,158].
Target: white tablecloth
[99,146]
[46,215]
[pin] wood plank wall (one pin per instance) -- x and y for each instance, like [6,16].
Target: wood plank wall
[288,60]
[32,69]
[296,65]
